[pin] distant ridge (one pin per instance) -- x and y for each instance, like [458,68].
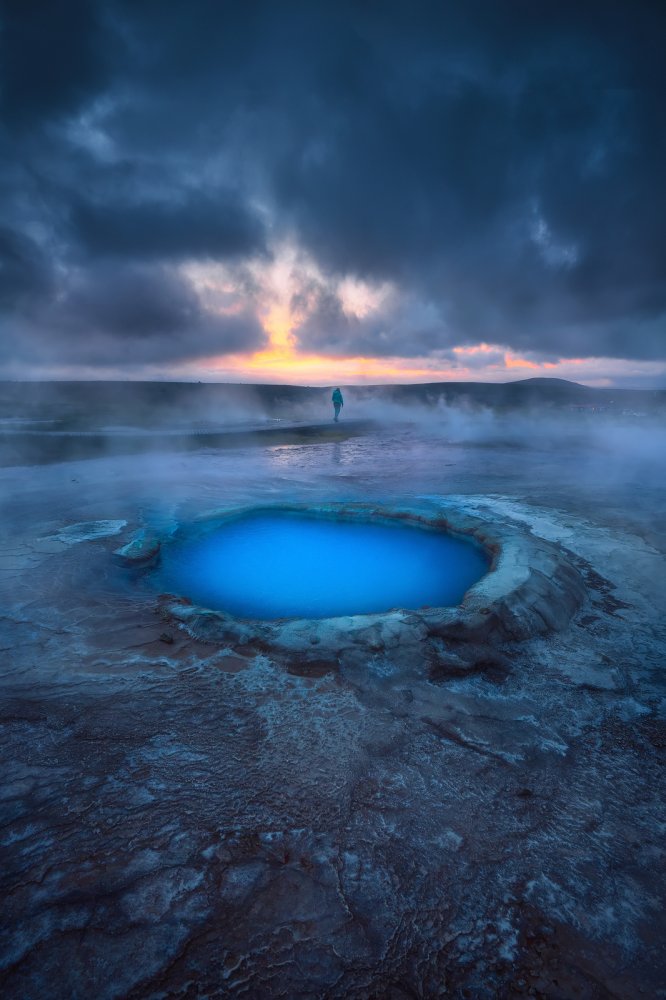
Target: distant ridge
[154,403]
[541,380]
[537,393]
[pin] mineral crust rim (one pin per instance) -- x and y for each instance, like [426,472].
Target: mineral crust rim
[530,588]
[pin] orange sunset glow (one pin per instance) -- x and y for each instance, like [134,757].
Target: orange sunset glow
[282,361]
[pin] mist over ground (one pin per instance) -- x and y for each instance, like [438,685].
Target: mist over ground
[41,420]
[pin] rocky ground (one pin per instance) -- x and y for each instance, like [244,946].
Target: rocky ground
[185,818]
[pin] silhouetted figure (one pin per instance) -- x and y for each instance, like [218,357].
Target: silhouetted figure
[337,403]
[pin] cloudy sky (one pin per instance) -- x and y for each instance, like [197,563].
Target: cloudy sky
[333,192]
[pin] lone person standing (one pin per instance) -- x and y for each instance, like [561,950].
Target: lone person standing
[337,403]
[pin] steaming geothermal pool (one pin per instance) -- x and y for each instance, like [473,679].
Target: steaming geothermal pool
[283,565]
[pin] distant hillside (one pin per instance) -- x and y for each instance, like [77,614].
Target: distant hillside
[74,405]
[531,393]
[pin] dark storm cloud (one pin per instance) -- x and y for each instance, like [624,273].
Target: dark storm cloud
[500,164]
[148,313]
[518,188]
[134,301]
[125,315]
[396,328]
[52,57]
[24,272]
[200,225]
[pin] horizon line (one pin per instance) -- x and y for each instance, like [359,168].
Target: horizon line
[348,385]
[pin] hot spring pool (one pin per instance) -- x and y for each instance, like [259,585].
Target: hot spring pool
[285,565]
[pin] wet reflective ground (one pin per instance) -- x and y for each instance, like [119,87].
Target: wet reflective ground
[187,820]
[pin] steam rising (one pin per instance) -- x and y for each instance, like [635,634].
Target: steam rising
[527,436]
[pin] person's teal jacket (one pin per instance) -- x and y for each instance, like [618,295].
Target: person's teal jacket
[337,397]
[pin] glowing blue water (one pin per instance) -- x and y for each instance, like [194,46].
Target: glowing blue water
[275,565]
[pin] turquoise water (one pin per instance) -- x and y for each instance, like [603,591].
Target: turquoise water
[274,565]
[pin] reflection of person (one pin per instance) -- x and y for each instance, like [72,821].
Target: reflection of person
[337,403]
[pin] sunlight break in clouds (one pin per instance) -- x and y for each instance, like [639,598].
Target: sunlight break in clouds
[279,290]
[275,286]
